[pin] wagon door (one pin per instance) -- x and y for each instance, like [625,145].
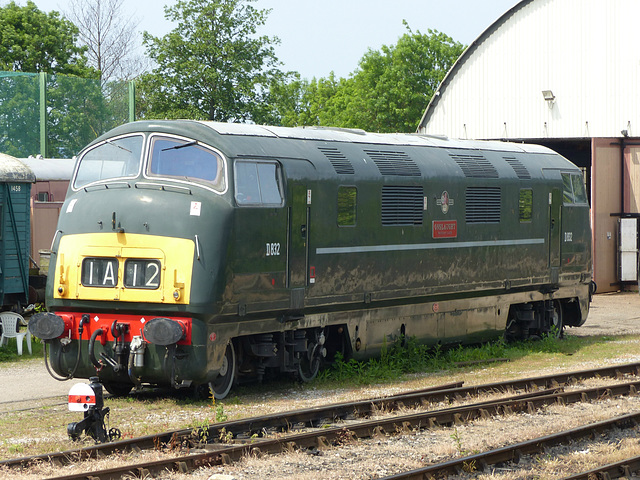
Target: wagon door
[299,213]
[15,234]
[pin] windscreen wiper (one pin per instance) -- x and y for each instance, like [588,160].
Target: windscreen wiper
[182,145]
[118,146]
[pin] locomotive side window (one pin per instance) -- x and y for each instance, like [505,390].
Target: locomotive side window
[347,202]
[258,183]
[113,158]
[173,157]
[573,189]
[526,205]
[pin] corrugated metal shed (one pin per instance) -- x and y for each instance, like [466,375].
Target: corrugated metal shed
[50,169]
[585,53]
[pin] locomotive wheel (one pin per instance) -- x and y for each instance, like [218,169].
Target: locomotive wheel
[221,386]
[557,323]
[117,389]
[309,365]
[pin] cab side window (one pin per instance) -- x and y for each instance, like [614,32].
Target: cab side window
[573,189]
[258,183]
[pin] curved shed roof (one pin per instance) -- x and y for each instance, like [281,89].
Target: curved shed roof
[584,53]
[13,170]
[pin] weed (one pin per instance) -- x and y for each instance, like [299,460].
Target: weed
[408,356]
[457,439]
[16,448]
[469,467]
[224,436]
[39,307]
[219,415]
[201,432]
[218,409]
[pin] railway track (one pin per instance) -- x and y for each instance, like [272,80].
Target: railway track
[252,435]
[625,468]
[512,453]
[312,417]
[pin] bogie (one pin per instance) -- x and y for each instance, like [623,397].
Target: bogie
[535,320]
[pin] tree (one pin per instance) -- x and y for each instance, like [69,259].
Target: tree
[394,86]
[34,41]
[108,34]
[387,93]
[212,66]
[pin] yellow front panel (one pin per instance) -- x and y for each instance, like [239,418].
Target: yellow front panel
[170,262]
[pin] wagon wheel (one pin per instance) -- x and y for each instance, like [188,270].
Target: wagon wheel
[222,385]
[557,323]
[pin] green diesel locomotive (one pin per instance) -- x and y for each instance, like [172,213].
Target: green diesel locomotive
[192,253]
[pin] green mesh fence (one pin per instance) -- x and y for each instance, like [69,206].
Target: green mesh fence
[57,115]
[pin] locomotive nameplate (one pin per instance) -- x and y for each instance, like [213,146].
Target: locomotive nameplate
[445,228]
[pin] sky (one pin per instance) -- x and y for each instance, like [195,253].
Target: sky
[318,37]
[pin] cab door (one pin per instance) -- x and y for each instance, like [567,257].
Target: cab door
[555,227]
[298,261]
[259,236]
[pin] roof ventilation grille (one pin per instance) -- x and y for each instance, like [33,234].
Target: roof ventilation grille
[341,164]
[519,168]
[475,166]
[394,163]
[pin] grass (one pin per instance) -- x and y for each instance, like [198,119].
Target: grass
[396,360]
[9,352]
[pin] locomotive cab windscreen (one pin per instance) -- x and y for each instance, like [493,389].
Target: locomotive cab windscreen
[111,159]
[186,160]
[181,159]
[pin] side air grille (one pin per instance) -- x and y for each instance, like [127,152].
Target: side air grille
[475,166]
[341,164]
[483,204]
[394,163]
[518,167]
[402,205]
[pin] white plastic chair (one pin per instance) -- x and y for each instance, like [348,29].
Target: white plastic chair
[9,321]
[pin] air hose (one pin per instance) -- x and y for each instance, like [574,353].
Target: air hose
[92,355]
[83,320]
